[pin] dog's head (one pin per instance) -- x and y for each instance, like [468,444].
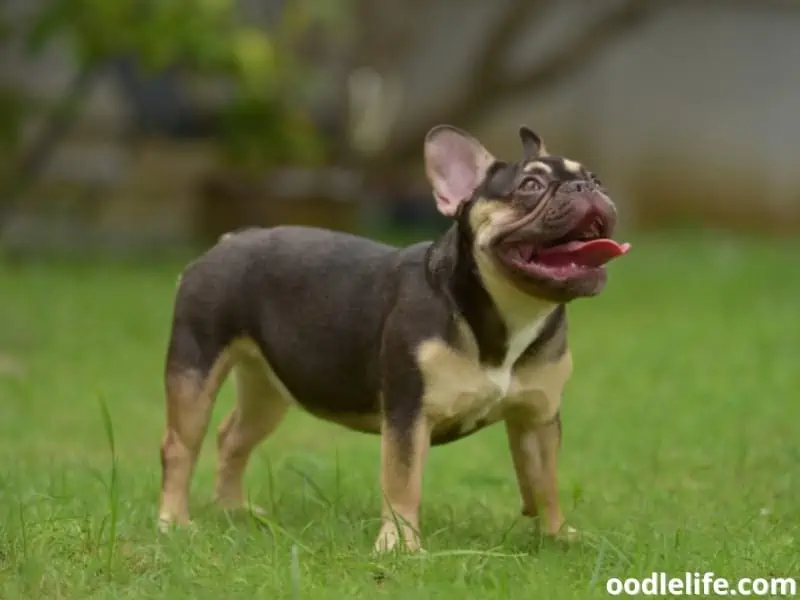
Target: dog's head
[543,223]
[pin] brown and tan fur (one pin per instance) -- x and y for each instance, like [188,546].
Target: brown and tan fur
[444,343]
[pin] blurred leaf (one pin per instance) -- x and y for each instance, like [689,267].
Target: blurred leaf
[11,112]
[50,22]
[215,7]
[255,58]
[5,29]
[295,20]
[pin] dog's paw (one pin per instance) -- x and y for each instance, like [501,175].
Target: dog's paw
[392,538]
[164,525]
[567,534]
[168,523]
[239,507]
[255,509]
[563,534]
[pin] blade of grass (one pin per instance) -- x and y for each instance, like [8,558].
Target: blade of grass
[113,488]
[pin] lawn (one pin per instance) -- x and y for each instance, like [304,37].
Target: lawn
[681,449]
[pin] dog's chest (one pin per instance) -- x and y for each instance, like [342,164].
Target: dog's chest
[461,392]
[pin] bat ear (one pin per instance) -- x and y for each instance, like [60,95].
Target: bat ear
[532,144]
[455,163]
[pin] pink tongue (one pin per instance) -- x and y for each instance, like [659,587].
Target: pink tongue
[593,253]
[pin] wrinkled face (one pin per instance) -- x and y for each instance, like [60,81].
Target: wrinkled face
[544,223]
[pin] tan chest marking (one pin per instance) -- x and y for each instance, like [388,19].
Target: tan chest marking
[461,391]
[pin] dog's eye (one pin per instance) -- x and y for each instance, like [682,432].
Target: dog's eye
[531,184]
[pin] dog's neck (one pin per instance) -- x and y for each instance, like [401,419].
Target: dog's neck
[504,320]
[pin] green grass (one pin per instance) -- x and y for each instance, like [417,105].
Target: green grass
[681,449]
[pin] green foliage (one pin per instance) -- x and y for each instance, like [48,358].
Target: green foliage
[209,37]
[250,120]
[158,33]
[11,107]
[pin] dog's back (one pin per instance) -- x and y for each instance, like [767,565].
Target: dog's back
[321,302]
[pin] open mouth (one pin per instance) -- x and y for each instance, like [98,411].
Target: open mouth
[583,249]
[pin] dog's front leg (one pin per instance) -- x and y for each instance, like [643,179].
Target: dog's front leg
[534,451]
[404,448]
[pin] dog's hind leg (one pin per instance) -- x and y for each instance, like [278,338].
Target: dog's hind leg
[191,390]
[259,409]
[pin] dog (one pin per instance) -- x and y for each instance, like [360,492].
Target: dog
[422,345]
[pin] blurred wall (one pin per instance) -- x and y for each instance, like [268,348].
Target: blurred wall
[689,118]
[692,118]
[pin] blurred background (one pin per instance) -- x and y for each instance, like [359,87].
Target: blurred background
[138,125]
